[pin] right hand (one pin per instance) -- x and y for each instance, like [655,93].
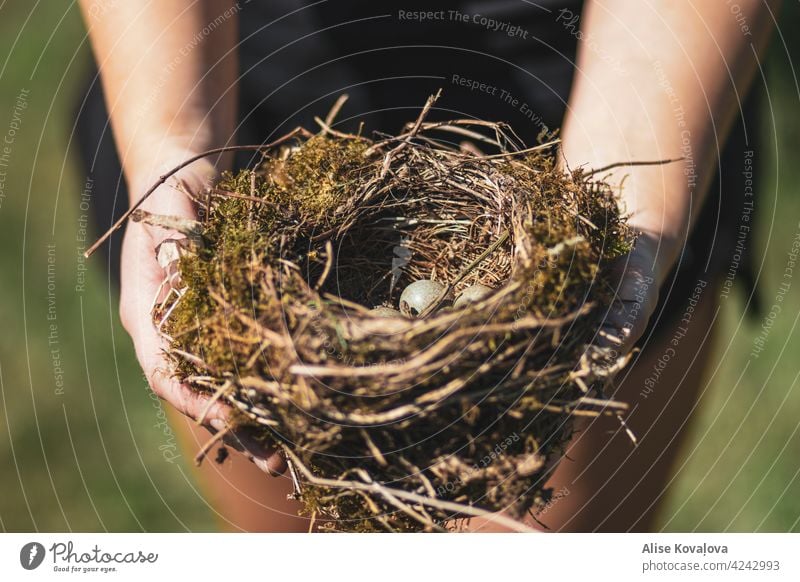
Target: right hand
[141,276]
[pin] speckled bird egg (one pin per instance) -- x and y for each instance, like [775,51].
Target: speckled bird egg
[472,294]
[419,295]
[382,311]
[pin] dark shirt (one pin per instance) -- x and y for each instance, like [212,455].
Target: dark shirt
[504,60]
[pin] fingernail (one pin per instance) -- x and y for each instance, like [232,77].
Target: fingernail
[217,424]
[262,464]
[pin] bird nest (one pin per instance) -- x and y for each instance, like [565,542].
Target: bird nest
[400,421]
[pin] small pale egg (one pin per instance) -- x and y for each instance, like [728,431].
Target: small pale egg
[472,294]
[419,295]
[382,311]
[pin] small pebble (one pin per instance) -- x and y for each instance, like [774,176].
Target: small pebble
[419,295]
[472,294]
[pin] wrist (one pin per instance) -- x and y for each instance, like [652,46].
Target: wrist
[145,170]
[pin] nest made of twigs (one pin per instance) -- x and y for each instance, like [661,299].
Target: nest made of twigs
[400,423]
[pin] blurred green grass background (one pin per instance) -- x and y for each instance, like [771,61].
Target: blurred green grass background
[91,458]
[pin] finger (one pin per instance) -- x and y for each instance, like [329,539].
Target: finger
[167,202]
[635,301]
[176,197]
[274,466]
[627,320]
[622,327]
[188,401]
[215,419]
[265,457]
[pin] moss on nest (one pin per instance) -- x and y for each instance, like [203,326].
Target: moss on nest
[395,423]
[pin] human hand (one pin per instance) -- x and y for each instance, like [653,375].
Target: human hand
[141,278]
[637,276]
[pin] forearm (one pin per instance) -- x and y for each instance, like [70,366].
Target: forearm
[686,66]
[169,72]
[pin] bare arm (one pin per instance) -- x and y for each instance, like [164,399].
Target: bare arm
[686,66]
[169,71]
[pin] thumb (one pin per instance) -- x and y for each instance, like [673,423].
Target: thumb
[636,295]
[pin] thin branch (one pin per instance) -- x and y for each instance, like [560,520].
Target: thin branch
[455,508]
[625,164]
[335,109]
[164,177]
[467,270]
